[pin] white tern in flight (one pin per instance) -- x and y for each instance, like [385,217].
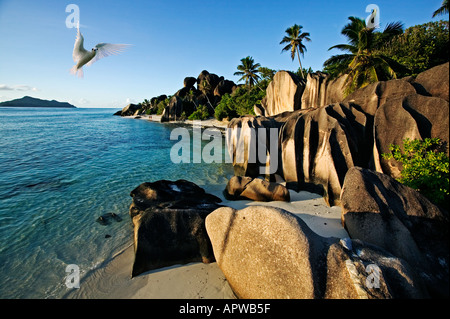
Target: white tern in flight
[81,56]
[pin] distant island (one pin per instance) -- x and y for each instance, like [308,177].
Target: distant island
[28,101]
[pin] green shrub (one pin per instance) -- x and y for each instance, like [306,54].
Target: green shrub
[225,109]
[425,167]
[200,114]
[161,106]
[241,102]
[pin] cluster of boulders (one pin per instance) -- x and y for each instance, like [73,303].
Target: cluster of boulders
[207,89]
[266,252]
[333,146]
[318,143]
[398,245]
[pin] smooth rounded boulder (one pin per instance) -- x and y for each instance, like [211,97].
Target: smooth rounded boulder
[266,252]
[379,210]
[257,189]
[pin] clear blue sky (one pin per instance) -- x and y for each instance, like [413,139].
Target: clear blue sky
[171,40]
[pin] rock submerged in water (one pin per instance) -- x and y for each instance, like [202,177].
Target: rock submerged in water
[169,224]
[106,219]
[266,252]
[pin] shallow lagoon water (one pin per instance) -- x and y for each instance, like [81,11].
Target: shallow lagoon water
[63,168]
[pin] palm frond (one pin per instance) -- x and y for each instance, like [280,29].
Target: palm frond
[443,9]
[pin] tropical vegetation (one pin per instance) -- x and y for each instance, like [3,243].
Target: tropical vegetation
[240,102]
[425,167]
[294,42]
[364,61]
[443,9]
[249,71]
[420,47]
[370,55]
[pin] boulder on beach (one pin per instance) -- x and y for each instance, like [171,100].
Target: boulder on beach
[169,228]
[269,253]
[318,146]
[379,210]
[244,145]
[257,189]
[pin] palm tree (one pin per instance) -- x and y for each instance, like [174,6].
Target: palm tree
[248,71]
[294,42]
[442,10]
[364,61]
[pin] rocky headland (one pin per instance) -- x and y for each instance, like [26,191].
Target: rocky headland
[398,244]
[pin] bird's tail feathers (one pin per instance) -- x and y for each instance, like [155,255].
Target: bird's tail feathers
[75,71]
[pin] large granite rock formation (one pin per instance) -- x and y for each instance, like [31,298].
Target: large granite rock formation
[320,90]
[283,93]
[434,82]
[316,146]
[168,219]
[267,253]
[374,95]
[173,111]
[379,210]
[243,145]
[189,81]
[413,116]
[129,110]
[257,189]
[207,82]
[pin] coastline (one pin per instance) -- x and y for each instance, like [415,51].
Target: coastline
[209,123]
[112,279]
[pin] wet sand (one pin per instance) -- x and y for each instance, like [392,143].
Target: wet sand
[113,279]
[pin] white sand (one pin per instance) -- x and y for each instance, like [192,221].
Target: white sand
[197,280]
[211,122]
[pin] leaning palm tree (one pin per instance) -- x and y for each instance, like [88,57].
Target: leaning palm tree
[442,10]
[364,62]
[248,70]
[294,42]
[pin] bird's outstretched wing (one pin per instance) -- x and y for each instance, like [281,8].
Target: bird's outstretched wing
[78,49]
[107,49]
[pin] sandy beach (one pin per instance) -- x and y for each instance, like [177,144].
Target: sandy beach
[211,122]
[113,279]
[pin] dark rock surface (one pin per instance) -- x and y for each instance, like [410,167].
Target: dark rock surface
[168,219]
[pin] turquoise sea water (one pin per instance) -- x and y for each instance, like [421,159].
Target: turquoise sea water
[60,169]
